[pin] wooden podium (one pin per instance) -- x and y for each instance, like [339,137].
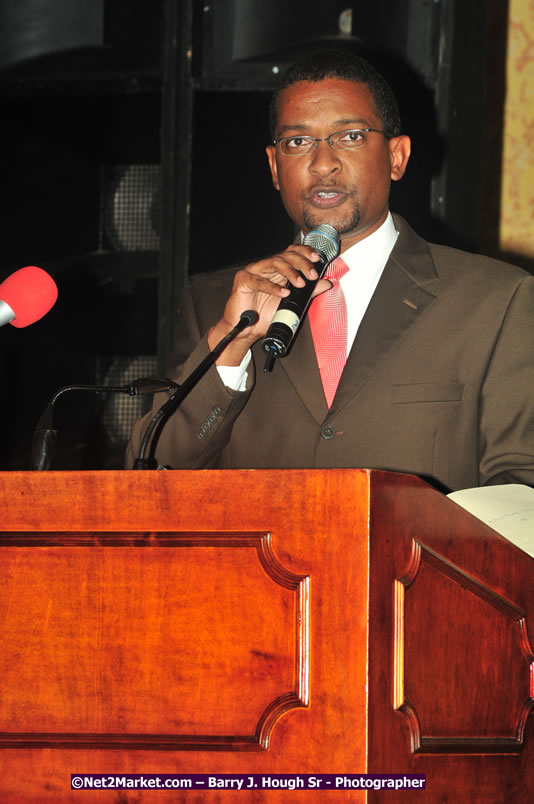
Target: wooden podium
[300,621]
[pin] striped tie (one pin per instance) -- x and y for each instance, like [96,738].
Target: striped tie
[328,322]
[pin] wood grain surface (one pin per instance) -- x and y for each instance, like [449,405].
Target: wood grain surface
[299,621]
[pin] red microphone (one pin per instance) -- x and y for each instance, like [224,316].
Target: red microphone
[26,296]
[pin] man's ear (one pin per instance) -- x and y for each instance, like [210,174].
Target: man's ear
[399,153]
[271,156]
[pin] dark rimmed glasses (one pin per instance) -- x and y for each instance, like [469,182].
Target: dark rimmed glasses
[347,140]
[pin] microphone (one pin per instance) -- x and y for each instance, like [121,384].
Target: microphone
[158,420]
[324,240]
[26,296]
[45,434]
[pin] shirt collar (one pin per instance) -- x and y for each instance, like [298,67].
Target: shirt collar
[371,253]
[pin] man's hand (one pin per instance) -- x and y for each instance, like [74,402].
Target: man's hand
[261,286]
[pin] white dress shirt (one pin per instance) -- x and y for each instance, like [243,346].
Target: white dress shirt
[366,260]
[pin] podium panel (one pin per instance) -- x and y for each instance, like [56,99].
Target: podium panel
[241,622]
[171,678]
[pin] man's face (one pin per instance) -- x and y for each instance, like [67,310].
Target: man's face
[347,189]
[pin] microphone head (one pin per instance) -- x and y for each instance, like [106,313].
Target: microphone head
[324,239]
[250,317]
[30,292]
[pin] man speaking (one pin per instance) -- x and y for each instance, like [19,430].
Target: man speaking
[412,357]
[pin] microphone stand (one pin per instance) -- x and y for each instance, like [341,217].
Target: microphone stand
[155,426]
[45,434]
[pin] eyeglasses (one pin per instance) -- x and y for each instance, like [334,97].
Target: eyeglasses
[340,140]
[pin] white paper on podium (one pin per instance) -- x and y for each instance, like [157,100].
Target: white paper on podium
[507,509]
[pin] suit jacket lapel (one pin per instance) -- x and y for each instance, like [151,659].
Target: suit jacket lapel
[397,303]
[301,368]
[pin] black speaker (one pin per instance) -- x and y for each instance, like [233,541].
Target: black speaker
[36,28]
[75,39]
[246,43]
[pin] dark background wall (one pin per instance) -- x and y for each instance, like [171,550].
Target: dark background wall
[132,157]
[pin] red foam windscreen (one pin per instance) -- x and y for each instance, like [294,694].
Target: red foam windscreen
[30,292]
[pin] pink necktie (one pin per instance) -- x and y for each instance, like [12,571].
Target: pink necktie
[328,322]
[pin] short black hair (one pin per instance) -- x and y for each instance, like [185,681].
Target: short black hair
[349,67]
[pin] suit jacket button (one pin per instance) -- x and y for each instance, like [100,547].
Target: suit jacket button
[328,432]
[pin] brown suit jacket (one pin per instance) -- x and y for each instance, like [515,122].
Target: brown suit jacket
[439,381]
